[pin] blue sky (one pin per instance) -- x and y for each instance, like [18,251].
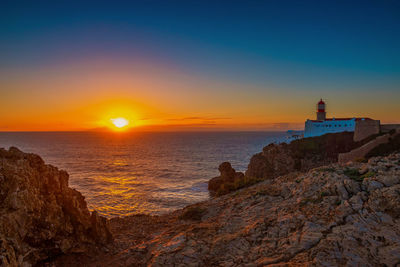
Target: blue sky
[315,47]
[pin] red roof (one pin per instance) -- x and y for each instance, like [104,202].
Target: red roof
[343,119]
[321,102]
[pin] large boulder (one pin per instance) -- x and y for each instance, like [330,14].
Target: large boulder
[40,216]
[226,181]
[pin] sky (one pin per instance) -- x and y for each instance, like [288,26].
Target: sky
[181,65]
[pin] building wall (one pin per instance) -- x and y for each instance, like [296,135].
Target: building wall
[317,128]
[365,128]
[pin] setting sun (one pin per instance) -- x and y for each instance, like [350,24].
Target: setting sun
[120,122]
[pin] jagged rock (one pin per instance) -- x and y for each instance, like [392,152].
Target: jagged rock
[226,179]
[387,200]
[300,155]
[341,190]
[227,172]
[351,186]
[343,224]
[280,159]
[40,216]
[369,185]
[390,180]
[356,202]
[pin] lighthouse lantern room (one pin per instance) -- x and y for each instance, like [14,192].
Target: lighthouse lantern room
[321,114]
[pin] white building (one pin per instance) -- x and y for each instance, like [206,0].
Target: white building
[322,125]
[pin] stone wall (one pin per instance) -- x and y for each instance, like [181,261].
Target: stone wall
[362,151]
[366,128]
[385,128]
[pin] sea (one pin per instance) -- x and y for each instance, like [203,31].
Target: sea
[122,174]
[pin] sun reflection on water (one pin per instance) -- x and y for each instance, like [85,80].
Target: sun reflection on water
[133,173]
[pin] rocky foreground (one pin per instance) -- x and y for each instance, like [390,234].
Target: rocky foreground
[329,216]
[40,216]
[332,215]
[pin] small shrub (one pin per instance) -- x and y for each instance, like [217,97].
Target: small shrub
[353,174]
[298,181]
[338,202]
[193,213]
[368,174]
[324,194]
[251,180]
[239,183]
[328,169]
[361,160]
[225,189]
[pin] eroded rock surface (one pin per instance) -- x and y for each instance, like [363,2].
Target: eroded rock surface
[40,216]
[300,155]
[279,159]
[336,215]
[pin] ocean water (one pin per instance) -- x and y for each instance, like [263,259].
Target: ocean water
[128,173]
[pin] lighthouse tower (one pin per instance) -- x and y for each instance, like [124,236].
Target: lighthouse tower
[321,114]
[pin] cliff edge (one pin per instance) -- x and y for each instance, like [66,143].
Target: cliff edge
[279,159]
[40,216]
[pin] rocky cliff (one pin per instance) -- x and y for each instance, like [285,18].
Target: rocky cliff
[40,216]
[300,155]
[336,215]
[279,159]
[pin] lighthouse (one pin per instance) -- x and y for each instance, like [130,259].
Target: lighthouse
[323,125]
[321,114]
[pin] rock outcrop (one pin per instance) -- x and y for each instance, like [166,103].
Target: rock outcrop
[226,181]
[300,155]
[40,216]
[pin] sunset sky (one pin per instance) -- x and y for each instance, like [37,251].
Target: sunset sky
[182,65]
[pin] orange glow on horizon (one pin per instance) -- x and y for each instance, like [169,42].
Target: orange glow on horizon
[86,95]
